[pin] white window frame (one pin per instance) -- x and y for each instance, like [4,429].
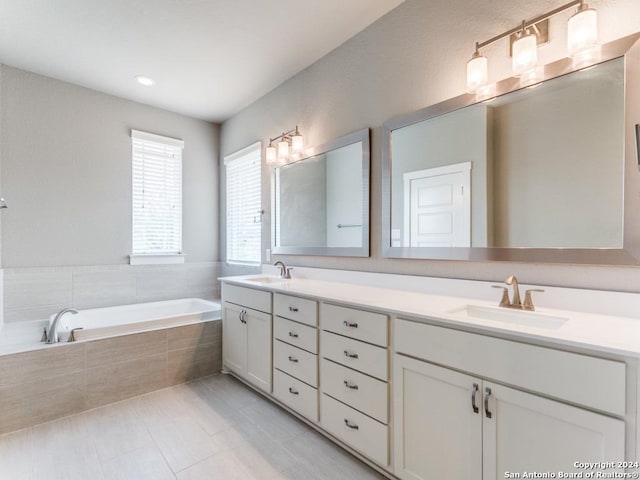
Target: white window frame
[169,256]
[251,212]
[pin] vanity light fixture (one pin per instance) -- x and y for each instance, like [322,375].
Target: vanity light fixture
[289,146]
[582,40]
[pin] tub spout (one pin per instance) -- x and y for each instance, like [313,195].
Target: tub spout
[52,334]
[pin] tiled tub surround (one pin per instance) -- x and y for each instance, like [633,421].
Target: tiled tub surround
[36,293]
[66,378]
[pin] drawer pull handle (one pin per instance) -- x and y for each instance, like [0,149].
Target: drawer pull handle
[474,394]
[487,394]
[293,309]
[350,355]
[350,385]
[293,335]
[350,324]
[293,392]
[242,316]
[352,426]
[293,359]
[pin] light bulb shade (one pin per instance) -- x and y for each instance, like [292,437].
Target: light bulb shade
[297,144]
[283,152]
[525,54]
[271,155]
[477,73]
[582,31]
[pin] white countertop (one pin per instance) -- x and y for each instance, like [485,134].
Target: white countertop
[593,331]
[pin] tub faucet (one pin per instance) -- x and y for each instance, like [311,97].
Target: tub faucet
[284,271]
[52,333]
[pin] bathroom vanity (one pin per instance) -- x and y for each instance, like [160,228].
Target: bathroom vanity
[425,386]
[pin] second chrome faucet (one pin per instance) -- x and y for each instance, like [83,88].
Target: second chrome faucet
[516,302]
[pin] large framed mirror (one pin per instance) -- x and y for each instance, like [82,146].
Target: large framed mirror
[321,202]
[546,173]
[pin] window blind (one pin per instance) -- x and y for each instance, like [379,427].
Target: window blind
[157,194]
[244,205]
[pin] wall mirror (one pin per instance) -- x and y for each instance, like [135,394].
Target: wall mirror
[547,173]
[321,202]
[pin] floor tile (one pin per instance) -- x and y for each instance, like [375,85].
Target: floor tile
[143,464]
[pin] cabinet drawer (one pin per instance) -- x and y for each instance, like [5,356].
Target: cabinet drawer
[294,308]
[296,334]
[590,381]
[358,355]
[357,390]
[296,362]
[364,434]
[247,297]
[351,322]
[295,394]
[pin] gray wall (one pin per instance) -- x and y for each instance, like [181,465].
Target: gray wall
[413,57]
[66,174]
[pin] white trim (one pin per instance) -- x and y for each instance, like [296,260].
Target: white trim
[156,259]
[152,137]
[243,152]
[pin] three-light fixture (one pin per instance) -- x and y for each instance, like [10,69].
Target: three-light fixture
[289,146]
[582,42]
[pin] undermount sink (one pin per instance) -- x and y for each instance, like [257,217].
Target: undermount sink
[265,279]
[512,316]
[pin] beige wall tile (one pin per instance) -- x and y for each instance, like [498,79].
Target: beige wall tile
[103,289]
[35,288]
[59,360]
[35,402]
[118,381]
[125,348]
[192,335]
[190,363]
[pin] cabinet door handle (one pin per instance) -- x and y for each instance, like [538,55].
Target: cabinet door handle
[350,385]
[293,335]
[241,315]
[352,426]
[293,359]
[293,392]
[293,309]
[350,324]
[487,394]
[474,394]
[350,355]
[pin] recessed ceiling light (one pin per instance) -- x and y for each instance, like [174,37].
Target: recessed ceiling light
[146,81]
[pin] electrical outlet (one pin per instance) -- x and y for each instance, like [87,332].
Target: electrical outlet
[267,255]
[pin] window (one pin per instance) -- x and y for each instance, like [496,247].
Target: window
[157,198]
[244,210]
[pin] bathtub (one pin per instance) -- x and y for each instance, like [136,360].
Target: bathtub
[120,352]
[110,321]
[139,317]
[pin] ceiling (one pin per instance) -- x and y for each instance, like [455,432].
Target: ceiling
[209,58]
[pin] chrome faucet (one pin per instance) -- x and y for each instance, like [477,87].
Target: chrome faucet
[284,271]
[52,333]
[516,302]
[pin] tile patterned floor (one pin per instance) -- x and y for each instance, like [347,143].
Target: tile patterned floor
[214,428]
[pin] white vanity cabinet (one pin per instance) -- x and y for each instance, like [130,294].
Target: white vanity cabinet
[246,332]
[295,354]
[354,403]
[452,425]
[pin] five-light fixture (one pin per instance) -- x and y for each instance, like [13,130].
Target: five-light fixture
[289,146]
[582,42]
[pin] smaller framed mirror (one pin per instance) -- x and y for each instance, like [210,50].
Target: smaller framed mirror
[320,203]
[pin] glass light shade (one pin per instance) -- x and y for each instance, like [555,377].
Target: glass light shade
[271,155]
[283,151]
[477,73]
[525,54]
[297,144]
[582,31]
